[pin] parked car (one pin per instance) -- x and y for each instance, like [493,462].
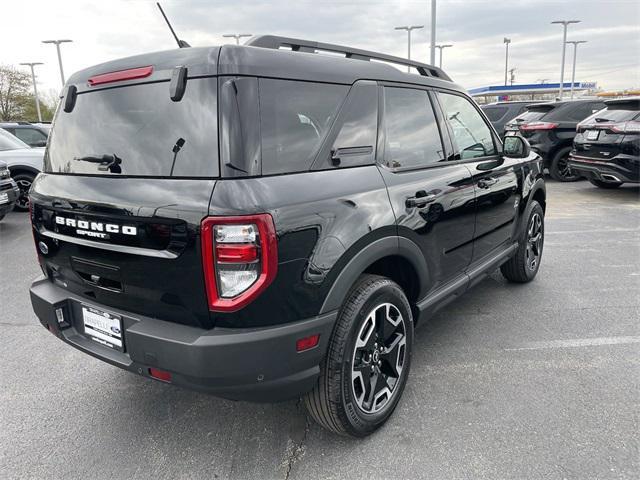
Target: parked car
[606,149]
[24,164]
[261,223]
[34,135]
[550,129]
[9,191]
[499,113]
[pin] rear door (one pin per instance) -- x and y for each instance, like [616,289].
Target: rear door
[495,178]
[128,177]
[432,198]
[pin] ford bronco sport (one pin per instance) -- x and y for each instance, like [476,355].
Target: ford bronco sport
[267,221]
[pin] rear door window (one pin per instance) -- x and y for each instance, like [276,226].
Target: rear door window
[412,137]
[138,130]
[495,113]
[294,119]
[30,136]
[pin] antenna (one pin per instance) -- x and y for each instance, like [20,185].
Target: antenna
[181,43]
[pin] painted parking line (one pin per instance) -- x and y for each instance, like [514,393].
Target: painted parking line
[578,342]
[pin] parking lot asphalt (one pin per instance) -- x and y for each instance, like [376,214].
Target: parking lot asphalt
[511,381]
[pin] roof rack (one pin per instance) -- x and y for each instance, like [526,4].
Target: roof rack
[308,46]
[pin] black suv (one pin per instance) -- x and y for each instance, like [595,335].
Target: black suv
[499,113]
[266,221]
[550,128]
[606,149]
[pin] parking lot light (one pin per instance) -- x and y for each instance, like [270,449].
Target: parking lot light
[506,41]
[442,47]
[237,36]
[57,44]
[564,23]
[575,53]
[35,87]
[408,30]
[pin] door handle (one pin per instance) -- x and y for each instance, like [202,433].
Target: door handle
[420,200]
[487,182]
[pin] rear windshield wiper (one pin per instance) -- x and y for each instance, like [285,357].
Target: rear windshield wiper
[107,162]
[600,119]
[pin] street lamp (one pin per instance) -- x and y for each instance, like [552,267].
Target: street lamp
[441,47]
[432,60]
[35,87]
[237,36]
[409,29]
[506,41]
[57,44]
[575,53]
[564,23]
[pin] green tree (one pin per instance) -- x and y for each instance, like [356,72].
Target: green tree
[28,112]
[14,86]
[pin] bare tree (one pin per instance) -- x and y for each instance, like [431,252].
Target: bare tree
[14,87]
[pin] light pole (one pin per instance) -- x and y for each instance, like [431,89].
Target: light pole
[441,47]
[237,36]
[432,60]
[409,29]
[564,23]
[57,44]
[575,53]
[35,87]
[506,41]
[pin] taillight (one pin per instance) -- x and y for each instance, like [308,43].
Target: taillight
[625,127]
[120,75]
[239,259]
[538,126]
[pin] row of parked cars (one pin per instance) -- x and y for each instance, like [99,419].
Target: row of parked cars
[21,153]
[591,138]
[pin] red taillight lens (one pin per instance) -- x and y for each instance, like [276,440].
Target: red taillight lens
[160,374]
[307,343]
[239,259]
[121,75]
[625,127]
[529,127]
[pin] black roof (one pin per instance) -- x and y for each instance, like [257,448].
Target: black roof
[267,61]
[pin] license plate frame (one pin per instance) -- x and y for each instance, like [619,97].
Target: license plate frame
[592,134]
[4,198]
[104,328]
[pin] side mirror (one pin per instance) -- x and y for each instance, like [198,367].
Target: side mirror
[516,147]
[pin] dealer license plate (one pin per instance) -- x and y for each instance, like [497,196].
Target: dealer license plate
[593,134]
[103,327]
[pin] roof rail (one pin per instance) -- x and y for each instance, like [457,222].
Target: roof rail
[308,46]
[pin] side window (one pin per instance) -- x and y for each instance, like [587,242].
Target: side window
[294,119]
[355,143]
[471,135]
[30,136]
[412,138]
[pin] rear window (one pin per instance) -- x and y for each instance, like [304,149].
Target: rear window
[139,131]
[617,113]
[294,119]
[494,113]
[532,115]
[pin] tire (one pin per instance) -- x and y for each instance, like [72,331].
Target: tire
[524,265]
[24,181]
[560,170]
[601,184]
[374,331]
[1,217]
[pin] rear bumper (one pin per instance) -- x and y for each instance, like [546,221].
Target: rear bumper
[608,170]
[259,365]
[11,189]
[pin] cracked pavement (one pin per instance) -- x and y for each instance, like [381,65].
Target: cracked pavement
[508,382]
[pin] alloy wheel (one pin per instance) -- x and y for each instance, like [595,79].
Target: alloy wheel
[378,358]
[23,198]
[534,241]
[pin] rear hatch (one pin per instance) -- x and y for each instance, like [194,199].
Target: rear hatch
[610,132]
[533,114]
[129,172]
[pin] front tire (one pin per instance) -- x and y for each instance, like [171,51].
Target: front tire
[560,169]
[524,265]
[601,184]
[24,181]
[367,365]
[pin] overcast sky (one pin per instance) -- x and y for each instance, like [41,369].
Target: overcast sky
[104,30]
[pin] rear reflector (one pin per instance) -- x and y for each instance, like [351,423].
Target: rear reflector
[236,253]
[121,75]
[307,343]
[160,374]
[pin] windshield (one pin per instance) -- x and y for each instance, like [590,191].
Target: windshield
[138,131]
[9,142]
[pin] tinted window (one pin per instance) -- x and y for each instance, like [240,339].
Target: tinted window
[494,113]
[294,119]
[142,128]
[30,136]
[471,135]
[355,143]
[9,142]
[618,112]
[531,115]
[583,110]
[412,137]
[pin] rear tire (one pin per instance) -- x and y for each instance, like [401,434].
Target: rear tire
[2,216]
[559,168]
[524,265]
[601,184]
[367,364]
[24,181]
